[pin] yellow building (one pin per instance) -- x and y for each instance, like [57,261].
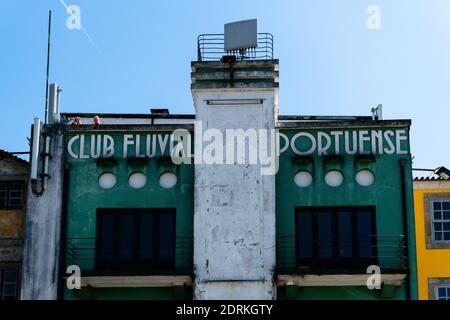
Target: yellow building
[13,181]
[432,219]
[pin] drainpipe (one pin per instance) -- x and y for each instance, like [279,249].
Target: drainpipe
[63,231]
[402,163]
[231,60]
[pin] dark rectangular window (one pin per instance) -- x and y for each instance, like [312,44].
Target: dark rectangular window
[134,239]
[106,237]
[11,194]
[146,237]
[325,235]
[345,235]
[126,236]
[8,284]
[365,234]
[305,236]
[167,237]
[335,237]
[3,194]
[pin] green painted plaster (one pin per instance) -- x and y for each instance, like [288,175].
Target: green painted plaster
[335,293]
[384,194]
[166,293]
[86,196]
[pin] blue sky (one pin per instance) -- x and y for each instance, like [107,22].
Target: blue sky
[330,62]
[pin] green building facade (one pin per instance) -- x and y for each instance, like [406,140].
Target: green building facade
[331,265]
[86,199]
[388,200]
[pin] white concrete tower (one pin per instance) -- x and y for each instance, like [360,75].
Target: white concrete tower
[234,217]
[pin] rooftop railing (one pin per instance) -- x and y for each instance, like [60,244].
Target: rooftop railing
[210,47]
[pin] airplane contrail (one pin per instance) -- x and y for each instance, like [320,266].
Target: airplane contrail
[81,27]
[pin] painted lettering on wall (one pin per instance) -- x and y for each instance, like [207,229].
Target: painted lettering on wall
[320,143]
[96,146]
[348,142]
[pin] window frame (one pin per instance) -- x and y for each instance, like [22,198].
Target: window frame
[433,284]
[427,223]
[8,184]
[136,263]
[433,221]
[2,282]
[336,261]
[442,286]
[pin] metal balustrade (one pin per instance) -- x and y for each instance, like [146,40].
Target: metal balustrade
[342,255]
[175,256]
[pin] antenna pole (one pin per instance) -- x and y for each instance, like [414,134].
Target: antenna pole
[48,64]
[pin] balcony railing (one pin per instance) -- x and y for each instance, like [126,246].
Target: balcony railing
[210,47]
[177,259]
[386,251]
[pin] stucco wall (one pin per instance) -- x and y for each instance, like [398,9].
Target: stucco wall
[11,223]
[234,220]
[11,219]
[42,230]
[431,263]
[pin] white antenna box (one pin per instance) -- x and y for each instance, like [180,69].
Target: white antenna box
[241,35]
[35,148]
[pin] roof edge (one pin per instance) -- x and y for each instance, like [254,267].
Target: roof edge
[5,154]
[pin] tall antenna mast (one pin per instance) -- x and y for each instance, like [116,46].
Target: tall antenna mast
[48,64]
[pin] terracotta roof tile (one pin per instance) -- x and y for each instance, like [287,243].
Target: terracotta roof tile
[6,154]
[429,179]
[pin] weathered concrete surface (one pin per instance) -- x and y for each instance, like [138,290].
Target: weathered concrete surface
[245,74]
[255,64]
[12,168]
[11,219]
[11,223]
[234,219]
[42,230]
[10,250]
[235,290]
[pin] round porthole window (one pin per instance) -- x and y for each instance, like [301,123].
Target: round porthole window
[137,180]
[107,180]
[365,178]
[334,178]
[303,179]
[168,180]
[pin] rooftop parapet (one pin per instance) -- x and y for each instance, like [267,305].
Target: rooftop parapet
[232,73]
[239,58]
